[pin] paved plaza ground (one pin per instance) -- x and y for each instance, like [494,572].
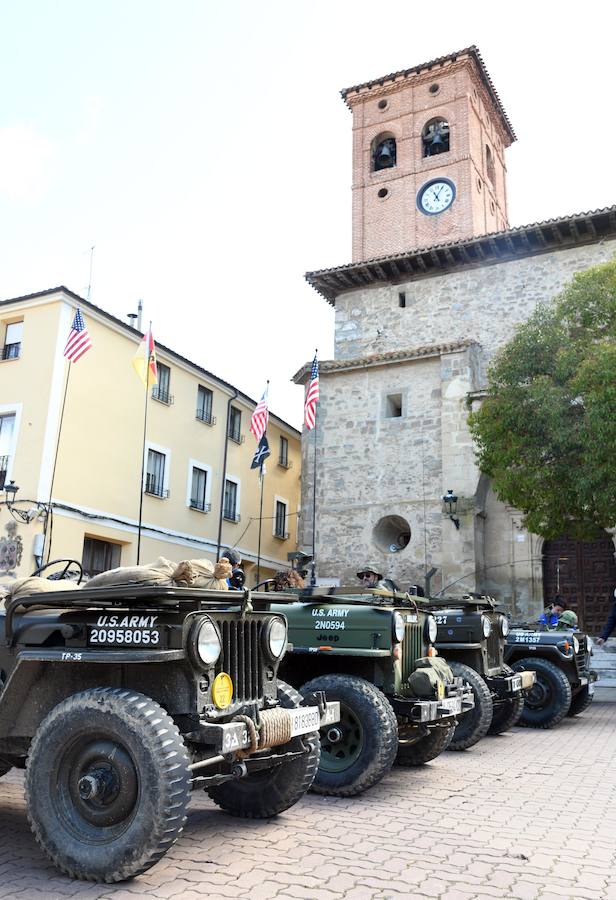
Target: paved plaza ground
[529,814]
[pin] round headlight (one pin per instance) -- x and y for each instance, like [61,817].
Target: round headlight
[208,642]
[576,645]
[486,626]
[277,637]
[588,644]
[431,629]
[398,627]
[504,623]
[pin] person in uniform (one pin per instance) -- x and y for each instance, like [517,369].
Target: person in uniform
[567,620]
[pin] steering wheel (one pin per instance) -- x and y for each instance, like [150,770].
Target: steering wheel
[59,576]
[266,585]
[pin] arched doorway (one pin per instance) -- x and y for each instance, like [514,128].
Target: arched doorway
[584,573]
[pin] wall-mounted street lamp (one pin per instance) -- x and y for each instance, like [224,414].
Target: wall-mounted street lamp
[450,507]
[35,507]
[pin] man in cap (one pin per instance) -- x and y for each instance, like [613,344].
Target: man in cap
[370,577]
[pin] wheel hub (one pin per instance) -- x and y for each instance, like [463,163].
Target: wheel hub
[342,744]
[102,782]
[539,695]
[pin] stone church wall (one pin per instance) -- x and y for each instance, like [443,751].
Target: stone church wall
[483,304]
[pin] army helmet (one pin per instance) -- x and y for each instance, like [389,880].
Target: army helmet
[568,618]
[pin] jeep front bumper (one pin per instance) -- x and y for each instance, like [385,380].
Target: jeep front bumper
[507,685]
[458,700]
[230,736]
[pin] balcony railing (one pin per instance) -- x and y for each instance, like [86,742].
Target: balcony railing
[236,437]
[4,465]
[10,351]
[162,396]
[200,505]
[155,487]
[231,515]
[205,415]
[285,462]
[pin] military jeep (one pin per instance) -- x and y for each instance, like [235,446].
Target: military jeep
[371,650]
[118,701]
[560,659]
[472,637]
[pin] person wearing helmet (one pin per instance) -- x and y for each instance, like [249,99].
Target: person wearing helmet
[551,615]
[370,577]
[567,620]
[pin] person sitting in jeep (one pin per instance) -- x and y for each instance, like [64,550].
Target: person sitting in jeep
[370,577]
[552,613]
[566,621]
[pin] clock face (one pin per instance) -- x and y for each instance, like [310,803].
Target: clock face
[436,196]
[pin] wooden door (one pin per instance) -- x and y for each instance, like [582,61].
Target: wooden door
[584,573]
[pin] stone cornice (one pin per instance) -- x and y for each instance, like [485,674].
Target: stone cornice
[391,357]
[452,256]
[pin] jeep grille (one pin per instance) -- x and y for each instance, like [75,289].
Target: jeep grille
[493,643]
[581,661]
[242,657]
[412,648]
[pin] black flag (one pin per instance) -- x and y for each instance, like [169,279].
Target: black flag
[261,454]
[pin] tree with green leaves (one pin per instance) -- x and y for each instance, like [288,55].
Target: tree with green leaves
[546,431]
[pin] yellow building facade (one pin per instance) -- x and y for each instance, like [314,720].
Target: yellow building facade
[81,486]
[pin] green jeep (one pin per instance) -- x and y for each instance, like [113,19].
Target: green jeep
[472,636]
[371,650]
[560,659]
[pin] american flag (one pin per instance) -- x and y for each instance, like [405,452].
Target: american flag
[79,341]
[258,422]
[312,396]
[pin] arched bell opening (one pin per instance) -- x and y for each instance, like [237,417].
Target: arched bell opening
[383,152]
[436,137]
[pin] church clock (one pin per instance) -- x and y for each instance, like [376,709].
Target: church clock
[436,196]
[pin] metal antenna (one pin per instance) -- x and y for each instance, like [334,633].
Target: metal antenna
[90,276]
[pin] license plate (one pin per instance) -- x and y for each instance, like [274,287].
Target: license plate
[583,680]
[451,704]
[304,719]
[591,688]
[516,682]
[124,637]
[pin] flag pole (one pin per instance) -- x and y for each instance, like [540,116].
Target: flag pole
[145,424]
[261,479]
[53,472]
[313,577]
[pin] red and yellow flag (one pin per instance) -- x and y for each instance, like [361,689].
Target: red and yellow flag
[144,360]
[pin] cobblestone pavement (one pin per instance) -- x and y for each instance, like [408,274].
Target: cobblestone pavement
[529,814]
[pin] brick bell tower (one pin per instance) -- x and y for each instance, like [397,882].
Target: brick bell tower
[428,156]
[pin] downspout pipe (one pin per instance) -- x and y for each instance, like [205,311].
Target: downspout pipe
[224,472]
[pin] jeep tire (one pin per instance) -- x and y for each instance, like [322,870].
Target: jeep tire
[506,714]
[426,748]
[549,699]
[474,724]
[361,748]
[107,784]
[270,791]
[580,702]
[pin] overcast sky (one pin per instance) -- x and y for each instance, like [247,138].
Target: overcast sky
[204,150]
